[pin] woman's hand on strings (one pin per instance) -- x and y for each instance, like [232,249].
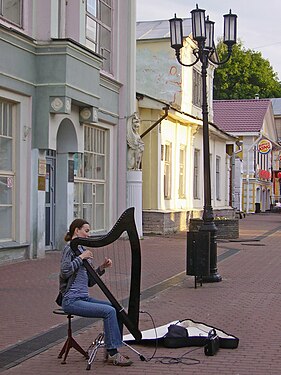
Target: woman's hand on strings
[107,263]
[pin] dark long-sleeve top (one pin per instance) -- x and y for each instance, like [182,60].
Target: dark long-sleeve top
[74,279]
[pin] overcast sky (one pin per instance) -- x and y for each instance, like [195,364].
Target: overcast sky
[259,25]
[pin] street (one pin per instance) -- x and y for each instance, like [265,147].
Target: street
[246,304]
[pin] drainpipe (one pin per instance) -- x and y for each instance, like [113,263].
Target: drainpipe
[157,122]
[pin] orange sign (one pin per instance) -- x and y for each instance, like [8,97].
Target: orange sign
[264,146]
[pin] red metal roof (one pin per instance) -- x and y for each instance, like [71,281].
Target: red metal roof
[240,115]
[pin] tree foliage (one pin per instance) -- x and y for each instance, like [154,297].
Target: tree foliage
[245,75]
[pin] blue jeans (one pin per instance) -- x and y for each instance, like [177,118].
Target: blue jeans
[92,308]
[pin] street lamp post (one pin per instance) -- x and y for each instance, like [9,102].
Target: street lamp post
[203,34]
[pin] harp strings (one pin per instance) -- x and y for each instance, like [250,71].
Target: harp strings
[117,277]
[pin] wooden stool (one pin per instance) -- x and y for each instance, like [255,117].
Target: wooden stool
[70,342]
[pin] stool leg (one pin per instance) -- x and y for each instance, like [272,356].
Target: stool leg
[75,345]
[63,349]
[70,343]
[67,348]
[67,344]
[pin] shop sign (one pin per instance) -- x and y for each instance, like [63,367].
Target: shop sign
[264,146]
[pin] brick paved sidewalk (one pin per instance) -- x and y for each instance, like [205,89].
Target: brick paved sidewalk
[245,304]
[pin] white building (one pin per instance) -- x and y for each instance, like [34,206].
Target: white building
[170,104]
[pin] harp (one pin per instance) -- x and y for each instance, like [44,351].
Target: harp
[125,223]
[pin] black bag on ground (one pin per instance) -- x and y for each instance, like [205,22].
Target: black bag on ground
[176,337]
[212,343]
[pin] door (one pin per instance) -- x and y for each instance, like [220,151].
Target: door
[50,204]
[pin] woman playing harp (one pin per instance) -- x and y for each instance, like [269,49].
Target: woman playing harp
[76,299]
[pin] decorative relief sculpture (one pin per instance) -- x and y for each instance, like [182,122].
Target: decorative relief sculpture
[135,143]
[57,104]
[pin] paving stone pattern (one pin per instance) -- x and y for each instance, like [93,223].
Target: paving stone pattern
[246,304]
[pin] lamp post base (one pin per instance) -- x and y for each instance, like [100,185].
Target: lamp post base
[214,276]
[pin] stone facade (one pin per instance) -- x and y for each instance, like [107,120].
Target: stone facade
[227,228]
[172,221]
[164,222]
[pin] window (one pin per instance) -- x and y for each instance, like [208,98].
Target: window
[99,29]
[90,178]
[218,178]
[196,174]
[6,170]
[182,155]
[197,89]
[167,170]
[11,10]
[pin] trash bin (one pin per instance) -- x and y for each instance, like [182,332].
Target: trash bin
[198,253]
[258,208]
